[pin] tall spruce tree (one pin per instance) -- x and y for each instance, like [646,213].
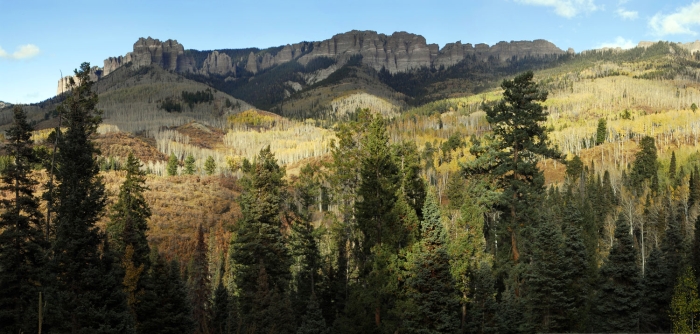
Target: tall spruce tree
[172,165]
[200,289]
[601,131]
[645,165]
[546,281]
[431,288]
[617,302]
[482,307]
[84,297]
[577,277]
[258,239]
[654,316]
[220,310]
[171,311]
[128,223]
[521,141]
[22,243]
[303,244]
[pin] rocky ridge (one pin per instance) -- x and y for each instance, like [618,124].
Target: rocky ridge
[396,53]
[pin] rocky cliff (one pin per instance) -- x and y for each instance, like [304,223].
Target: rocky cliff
[398,52]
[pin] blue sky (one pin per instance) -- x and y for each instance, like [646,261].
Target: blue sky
[39,39]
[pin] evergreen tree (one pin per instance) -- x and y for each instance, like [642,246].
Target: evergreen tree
[189,165]
[407,159]
[220,310]
[673,248]
[313,321]
[521,141]
[696,246]
[601,132]
[645,163]
[546,293]
[303,245]
[657,295]
[258,240]
[270,311]
[200,290]
[210,165]
[685,306]
[576,276]
[483,307]
[430,286]
[128,223]
[617,302]
[172,165]
[22,243]
[511,312]
[85,296]
[672,169]
[167,300]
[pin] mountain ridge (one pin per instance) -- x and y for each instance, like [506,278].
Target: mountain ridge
[399,52]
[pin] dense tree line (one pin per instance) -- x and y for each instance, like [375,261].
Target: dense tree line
[359,243]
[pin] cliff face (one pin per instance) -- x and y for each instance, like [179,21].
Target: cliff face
[398,52]
[217,63]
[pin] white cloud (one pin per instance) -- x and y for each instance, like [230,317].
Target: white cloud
[679,22]
[618,43]
[627,14]
[565,8]
[22,52]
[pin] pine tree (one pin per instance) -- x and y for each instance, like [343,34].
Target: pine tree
[210,165]
[672,169]
[172,165]
[258,240]
[696,246]
[601,132]
[303,245]
[430,286]
[313,321]
[617,302]
[128,223]
[520,142]
[685,306]
[270,311]
[200,285]
[577,275]
[657,295]
[407,159]
[220,310]
[22,243]
[483,307]
[189,165]
[645,164]
[84,296]
[546,282]
[167,299]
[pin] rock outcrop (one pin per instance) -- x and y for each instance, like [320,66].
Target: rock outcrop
[170,54]
[113,63]
[96,73]
[398,52]
[217,63]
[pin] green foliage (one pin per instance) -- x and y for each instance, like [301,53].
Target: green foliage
[210,165]
[165,302]
[220,310]
[654,315]
[645,164]
[483,307]
[22,243]
[601,132]
[199,281]
[172,165]
[197,97]
[430,287]
[189,165]
[547,302]
[85,290]
[694,107]
[171,105]
[619,288]
[520,142]
[685,306]
[574,168]
[258,245]
[313,321]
